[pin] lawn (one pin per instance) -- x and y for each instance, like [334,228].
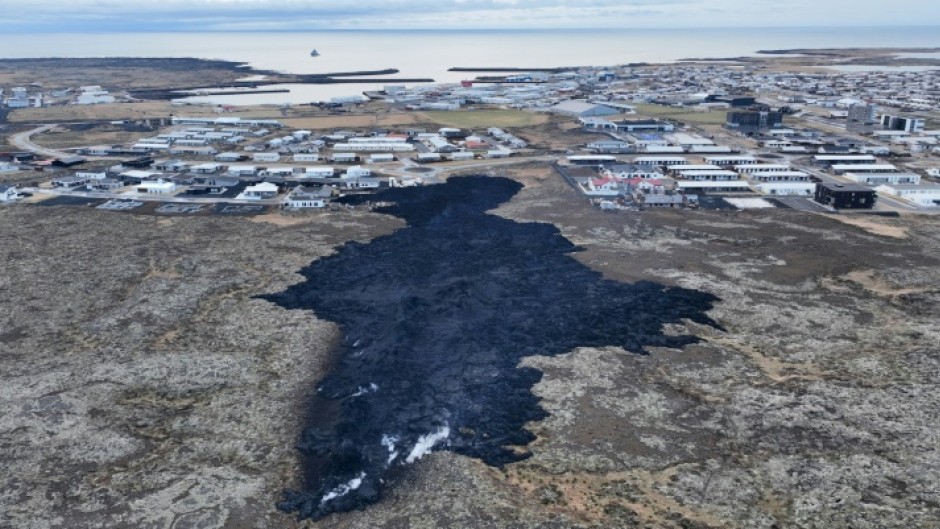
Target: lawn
[715,117]
[476,119]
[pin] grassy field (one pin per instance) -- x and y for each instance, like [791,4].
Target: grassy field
[715,117]
[484,118]
[350,121]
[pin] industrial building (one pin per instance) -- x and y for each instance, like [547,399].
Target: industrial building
[786,188]
[750,122]
[583,109]
[923,195]
[901,123]
[845,196]
[861,118]
[874,179]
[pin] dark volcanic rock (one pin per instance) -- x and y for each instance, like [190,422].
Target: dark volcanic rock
[436,318]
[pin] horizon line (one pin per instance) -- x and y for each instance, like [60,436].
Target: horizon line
[453,29]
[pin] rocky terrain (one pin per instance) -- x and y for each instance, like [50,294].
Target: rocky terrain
[144,382]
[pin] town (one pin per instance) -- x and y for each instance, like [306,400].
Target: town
[720,136]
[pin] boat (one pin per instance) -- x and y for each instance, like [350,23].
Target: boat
[314,53]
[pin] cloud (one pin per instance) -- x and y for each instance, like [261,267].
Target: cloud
[97,15]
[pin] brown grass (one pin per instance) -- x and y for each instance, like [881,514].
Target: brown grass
[349,121]
[484,118]
[872,226]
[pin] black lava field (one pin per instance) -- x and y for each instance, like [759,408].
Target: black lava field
[435,319]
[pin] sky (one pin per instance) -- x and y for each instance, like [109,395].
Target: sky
[258,15]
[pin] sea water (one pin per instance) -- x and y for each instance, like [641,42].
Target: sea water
[430,53]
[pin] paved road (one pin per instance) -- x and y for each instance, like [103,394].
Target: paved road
[22,141]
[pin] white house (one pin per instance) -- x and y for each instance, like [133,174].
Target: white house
[266,157]
[786,188]
[927,195]
[278,171]
[633,171]
[874,179]
[206,168]
[242,170]
[258,192]
[323,171]
[358,171]
[308,197]
[156,186]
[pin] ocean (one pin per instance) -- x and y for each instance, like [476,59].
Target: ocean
[430,53]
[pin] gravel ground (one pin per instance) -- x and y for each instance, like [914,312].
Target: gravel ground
[143,384]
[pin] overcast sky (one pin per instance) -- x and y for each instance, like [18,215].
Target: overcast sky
[114,15]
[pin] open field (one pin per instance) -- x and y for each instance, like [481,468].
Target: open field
[715,117]
[130,111]
[478,119]
[349,121]
[65,138]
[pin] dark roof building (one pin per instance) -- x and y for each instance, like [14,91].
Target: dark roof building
[845,196]
[749,122]
[69,161]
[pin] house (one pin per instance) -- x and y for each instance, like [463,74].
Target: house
[633,171]
[170,166]
[266,157]
[845,196]
[361,183]
[319,171]
[785,188]
[308,197]
[105,184]
[710,186]
[609,146]
[875,179]
[278,172]
[69,182]
[242,170]
[926,195]
[498,153]
[156,186]
[646,186]
[605,186]
[357,171]
[68,161]
[206,168]
[215,185]
[230,157]
[345,157]
[261,191]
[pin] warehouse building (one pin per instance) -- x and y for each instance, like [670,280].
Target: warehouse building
[583,109]
[922,195]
